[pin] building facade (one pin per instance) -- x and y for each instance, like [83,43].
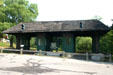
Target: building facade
[54,34]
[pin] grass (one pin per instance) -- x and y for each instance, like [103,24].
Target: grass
[6,45]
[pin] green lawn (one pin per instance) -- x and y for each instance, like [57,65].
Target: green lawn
[6,45]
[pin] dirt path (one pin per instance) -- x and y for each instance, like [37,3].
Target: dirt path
[13,64]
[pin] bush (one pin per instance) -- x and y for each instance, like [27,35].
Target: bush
[83,44]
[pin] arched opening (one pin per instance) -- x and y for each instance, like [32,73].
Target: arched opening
[33,45]
[56,44]
[83,44]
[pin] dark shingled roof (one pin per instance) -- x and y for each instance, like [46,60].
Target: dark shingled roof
[58,26]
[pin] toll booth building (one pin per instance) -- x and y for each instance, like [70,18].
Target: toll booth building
[54,34]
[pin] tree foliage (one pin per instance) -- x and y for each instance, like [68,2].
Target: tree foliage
[4,26]
[106,43]
[16,11]
[1,2]
[19,11]
[13,12]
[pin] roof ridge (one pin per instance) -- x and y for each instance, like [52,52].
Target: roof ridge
[61,21]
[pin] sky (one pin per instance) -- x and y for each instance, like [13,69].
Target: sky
[51,10]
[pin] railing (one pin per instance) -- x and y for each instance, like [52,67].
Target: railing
[85,56]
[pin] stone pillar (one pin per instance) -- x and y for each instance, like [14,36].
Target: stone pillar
[95,44]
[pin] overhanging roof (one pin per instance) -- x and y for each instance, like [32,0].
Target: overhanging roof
[58,26]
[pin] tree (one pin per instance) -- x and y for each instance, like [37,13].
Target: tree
[106,43]
[13,12]
[19,11]
[1,2]
[4,26]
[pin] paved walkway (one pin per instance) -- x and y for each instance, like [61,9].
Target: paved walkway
[14,64]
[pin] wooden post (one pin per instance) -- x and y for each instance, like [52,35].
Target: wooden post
[27,43]
[63,54]
[17,42]
[110,57]
[75,44]
[1,50]
[48,42]
[11,41]
[21,50]
[87,56]
[95,44]
[40,52]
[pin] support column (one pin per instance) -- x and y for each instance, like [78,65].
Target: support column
[27,43]
[95,44]
[75,43]
[17,42]
[48,42]
[11,41]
